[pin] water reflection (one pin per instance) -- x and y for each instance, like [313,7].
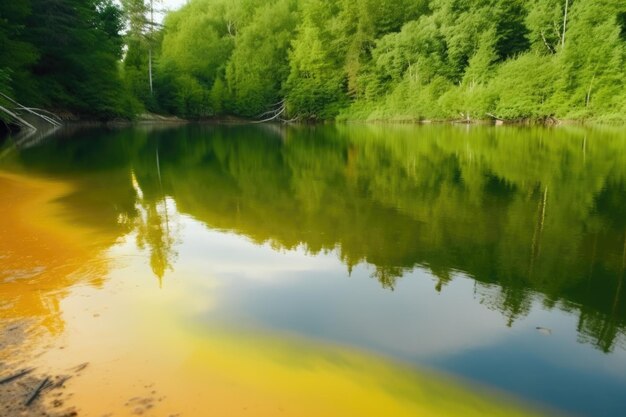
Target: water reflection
[120,330]
[155,230]
[525,220]
[533,211]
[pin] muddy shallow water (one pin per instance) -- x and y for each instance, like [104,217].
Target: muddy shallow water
[307,271]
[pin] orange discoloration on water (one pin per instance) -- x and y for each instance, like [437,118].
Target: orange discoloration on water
[144,356]
[39,251]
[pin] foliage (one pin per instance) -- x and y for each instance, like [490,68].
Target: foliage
[260,49]
[64,54]
[321,59]
[401,59]
[16,54]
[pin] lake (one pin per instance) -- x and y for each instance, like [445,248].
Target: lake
[331,270]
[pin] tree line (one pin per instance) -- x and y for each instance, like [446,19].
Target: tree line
[393,59]
[320,59]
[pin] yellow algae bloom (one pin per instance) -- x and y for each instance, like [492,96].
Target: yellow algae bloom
[187,371]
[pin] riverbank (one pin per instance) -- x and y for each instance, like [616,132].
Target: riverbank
[371,116]
[27,391]
[160,119]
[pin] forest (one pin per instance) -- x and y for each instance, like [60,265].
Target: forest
[315,60]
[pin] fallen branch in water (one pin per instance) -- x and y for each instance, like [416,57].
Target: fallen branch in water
[46,115]
[52,115]
[493,116]
[18,118]
[34,111]
[273,113]
[276,114]
[16,376]
[33,396]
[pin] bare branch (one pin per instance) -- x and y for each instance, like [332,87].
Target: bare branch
[18,118]
[274,117]
[546,43]
[31,111]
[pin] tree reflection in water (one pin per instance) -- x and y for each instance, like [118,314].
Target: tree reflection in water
[523,211]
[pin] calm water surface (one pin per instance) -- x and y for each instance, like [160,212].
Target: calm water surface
[329,270]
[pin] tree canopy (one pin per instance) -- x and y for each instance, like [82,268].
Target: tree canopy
[320,59]
[64,55]
[398,59]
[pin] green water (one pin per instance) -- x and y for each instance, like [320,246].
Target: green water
[497,254]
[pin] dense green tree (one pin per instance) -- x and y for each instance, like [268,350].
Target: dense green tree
[16,54]
[140,52]
[69,67]
[545,25]
[197,44]
[341,36]
[64,54]
[260,50]
[594,59]
[143,38]
[316,83]
[322,59]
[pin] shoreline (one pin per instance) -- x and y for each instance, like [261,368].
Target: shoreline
[152,118]
[165,120]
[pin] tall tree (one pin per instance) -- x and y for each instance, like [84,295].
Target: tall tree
[140,35]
